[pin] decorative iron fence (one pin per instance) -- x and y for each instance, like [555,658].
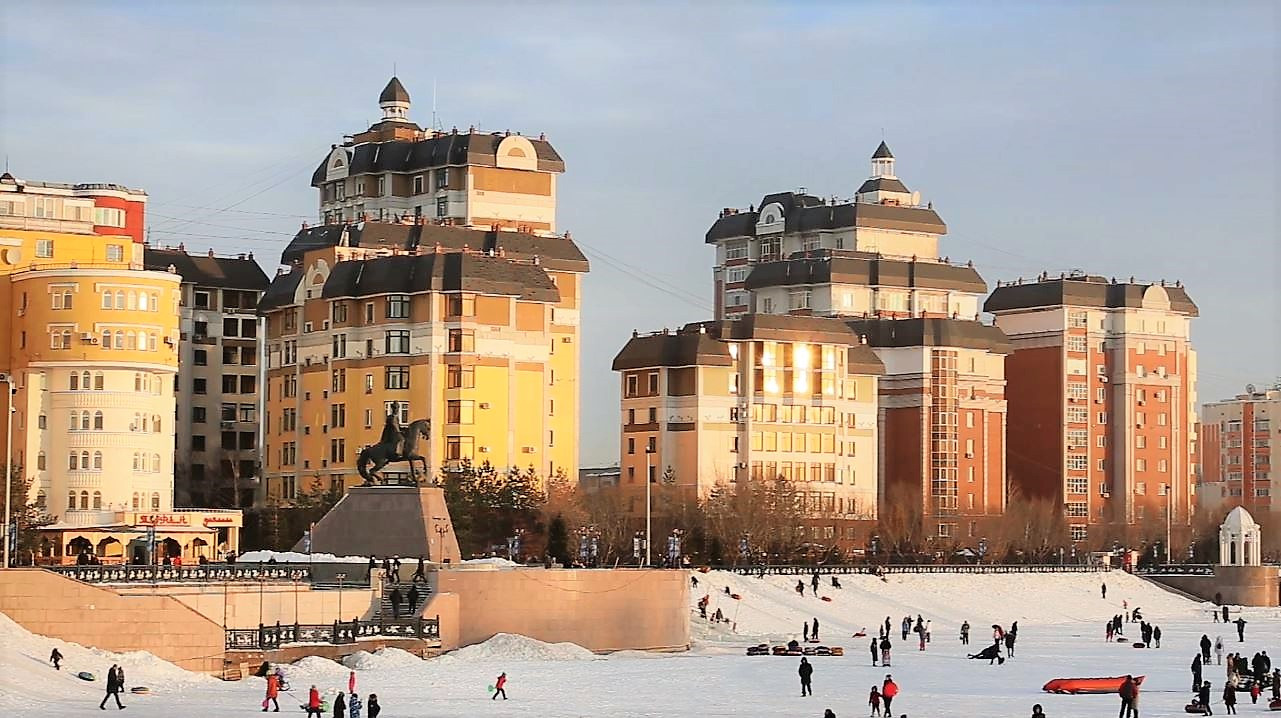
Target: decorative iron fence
[1178,569]
[208,573]
[336,633]
[917,568]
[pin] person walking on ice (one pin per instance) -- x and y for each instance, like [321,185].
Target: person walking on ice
[1240,623]
[965,633]
[814,630]
[1104,588]
[876,651]
[313,702]
[806,672]
[1218,650]
[353,706]
[115,684]
[1129,693]
[56,658]
[874,700]
[273,692]
[500,687]
[889,689]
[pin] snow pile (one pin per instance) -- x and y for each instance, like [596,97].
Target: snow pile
[296,557]
[318,670]
[513,647]
[380,660]
[27,676]
[493,561]
[770,607]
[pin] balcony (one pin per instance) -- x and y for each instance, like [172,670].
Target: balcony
[45,224]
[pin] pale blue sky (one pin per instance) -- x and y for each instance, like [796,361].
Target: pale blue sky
[1123,139]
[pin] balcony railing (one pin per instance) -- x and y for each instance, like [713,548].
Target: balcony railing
[336,633]
[208,573]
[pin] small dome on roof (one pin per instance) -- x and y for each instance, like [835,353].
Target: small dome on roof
[394,92]
[1239,518]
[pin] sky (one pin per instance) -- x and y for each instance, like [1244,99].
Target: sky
[1125,139]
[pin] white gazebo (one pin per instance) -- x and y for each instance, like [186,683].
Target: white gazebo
[1239,540]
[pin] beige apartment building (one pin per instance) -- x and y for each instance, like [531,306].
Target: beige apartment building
[396,169]
[754,398]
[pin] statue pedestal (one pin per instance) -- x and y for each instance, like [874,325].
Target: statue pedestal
[1247,585]
[405,521]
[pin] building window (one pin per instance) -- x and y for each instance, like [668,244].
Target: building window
[1078,392]
[1076,343]
[460,305]
[116,253]
[771,248]
[1078,509]
[397,341]
[1077,319]
[398,306]
[460,411]
[1078,532]
[442,207]
[459,447]
[1078,485]
[800,299]
[337,450]
[442,178]
[460,377]
[397,377]
[1077,415]
[337,416]
[462,341]
[339,346]
[736,250]
[44,248]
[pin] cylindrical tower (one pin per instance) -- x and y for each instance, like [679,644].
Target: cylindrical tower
[96,356]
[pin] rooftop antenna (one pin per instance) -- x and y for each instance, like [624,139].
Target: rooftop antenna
[435,119]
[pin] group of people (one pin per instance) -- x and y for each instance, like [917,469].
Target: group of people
[1001,638]
[391,569]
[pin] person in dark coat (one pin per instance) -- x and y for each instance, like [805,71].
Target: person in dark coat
[965,633]
[876,651]
[814,630]
[413,599]
[1129,692]
[1105,591]
[1196,673]
[1203,697]
[885,651]
[55,658]
[806,671]
[805,631]
[1205,648]
[420,573]
[1010,637]
[1156,635]
[1276,684]
[396,600]
[1229,697]
[1225,614]
[814,583]
[372,705]
[115,684]
[1240,623]
[340,706]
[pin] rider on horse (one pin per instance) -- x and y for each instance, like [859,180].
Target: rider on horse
[393,433]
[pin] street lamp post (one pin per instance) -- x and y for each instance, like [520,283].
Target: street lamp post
[8,463]
[649,518]
[341,577]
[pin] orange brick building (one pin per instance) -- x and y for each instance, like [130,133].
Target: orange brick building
[1102,401]
[1236,440]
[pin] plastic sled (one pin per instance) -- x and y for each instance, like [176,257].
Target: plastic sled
[1078,686]
[140,690]
[86,676]
[826,598]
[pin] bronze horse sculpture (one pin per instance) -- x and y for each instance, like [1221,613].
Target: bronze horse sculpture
[404,448]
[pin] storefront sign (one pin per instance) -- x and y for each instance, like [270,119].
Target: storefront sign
[219,521]
[164,520]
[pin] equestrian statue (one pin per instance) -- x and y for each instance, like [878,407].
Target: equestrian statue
[396,444]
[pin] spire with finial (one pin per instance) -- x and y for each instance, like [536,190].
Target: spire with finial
[394,101]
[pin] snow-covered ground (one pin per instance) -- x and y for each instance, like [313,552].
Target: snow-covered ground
[1060,617]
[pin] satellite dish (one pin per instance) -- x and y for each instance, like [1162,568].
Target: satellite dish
[1249,388]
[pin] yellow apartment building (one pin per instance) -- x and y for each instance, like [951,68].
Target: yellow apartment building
[88,342]
[476,330]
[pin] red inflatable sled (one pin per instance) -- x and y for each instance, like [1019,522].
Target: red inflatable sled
[1087,685]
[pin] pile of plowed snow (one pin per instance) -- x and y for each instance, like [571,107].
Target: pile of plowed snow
[770,606]
[381,660]
[512,647]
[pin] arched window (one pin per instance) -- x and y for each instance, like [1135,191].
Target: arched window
[84,460]
[73,461]
[136,501]
[155,501]
[106,300]
[75,381]
[84,421]
[155,463]
[97,460]
[66,338]
[106,339]
[137,382]
[133,300]
[155,302]
[71,500]
[84,500]
[97,381]
[136,461]
[97,500]
[151,342]
[155,424]
[130,341]
[156,384]
[137,424]
[41,499]
[120,299]
[41,461]
[66,299]
[120,340]
[75,420]
[142,301]
[97,421]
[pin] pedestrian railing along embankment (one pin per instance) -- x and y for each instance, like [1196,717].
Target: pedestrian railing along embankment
[918,568]
[1178,569]
[336,633]
[208,573]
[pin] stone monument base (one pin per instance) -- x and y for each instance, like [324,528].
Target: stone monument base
[405,521]
[1247,585]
